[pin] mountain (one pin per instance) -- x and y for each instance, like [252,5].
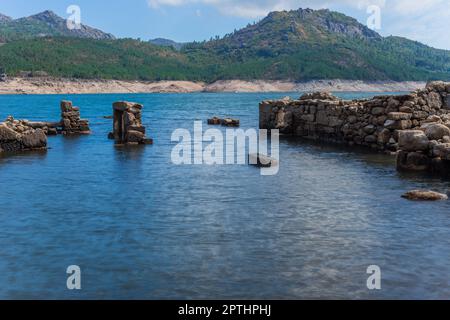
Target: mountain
[310,44]
[161,42]
[43,24]
[297,45]
[4,19]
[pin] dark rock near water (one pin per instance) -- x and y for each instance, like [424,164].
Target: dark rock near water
[423,195]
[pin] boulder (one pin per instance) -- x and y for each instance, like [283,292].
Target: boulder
[413,140]
[442,150]
[424,195]
[369,129]
[436,131]
[35,140]
[377,111]
[434,100]
[439,86]
[7,134]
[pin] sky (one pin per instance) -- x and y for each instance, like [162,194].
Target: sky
[427,21]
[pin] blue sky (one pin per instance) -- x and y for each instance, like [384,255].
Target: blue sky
[427,21]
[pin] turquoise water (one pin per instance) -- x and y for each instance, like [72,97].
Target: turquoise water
[142,228]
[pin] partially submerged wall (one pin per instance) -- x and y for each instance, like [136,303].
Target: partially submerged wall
[375,123]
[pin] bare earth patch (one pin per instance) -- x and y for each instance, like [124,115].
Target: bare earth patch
[78,86]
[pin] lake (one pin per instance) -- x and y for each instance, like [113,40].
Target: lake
[141,227]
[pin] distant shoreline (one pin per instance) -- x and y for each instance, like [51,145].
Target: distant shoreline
[81,86]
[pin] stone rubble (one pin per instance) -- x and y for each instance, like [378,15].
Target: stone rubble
[416,126]
[19,135]
[227,122]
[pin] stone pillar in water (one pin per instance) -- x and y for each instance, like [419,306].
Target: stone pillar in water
[127,126]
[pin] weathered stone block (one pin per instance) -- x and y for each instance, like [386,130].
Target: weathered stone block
[399,116]
[377,111]
[7,133]
[35,140]
[434,100]
[413,140]
[413,161]
[398,125]
[442,150]
[436,131]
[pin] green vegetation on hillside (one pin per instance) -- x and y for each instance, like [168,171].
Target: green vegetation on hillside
[296,45]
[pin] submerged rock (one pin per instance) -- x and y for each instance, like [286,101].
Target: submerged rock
[228,122]
[424,195]
[262,161]
[214,121]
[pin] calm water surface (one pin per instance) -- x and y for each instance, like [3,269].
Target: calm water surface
[140,227]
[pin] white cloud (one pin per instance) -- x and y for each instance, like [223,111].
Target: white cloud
[260,8]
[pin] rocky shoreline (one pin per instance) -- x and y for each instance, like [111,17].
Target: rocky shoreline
[79,86]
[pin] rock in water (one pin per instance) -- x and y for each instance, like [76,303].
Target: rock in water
[437,131]
[423,195]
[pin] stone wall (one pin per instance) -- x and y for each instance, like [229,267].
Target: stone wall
[376,123]
[19,135]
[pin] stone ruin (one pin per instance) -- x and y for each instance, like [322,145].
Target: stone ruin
[19,135]
[416,126]
[70,120]
[127,126]
[24,135]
